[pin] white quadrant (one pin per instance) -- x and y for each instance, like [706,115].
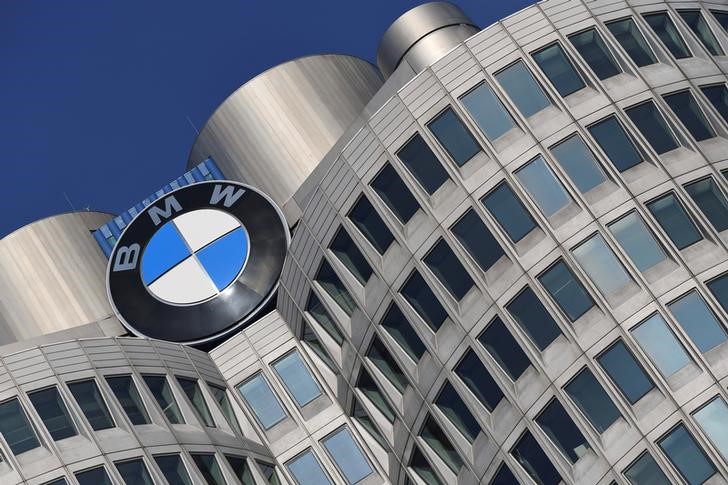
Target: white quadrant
[199,228]
[184,284]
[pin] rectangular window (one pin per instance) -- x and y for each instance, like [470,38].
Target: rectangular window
[393,191]
[673,219]
[501,345]
[192,390]
[454,137]
[602,266]
[579,163]
[722,18]
[92,404]
[15,427]
[592,400]
[448,270]
[566,290]
[687,456]
[653,127]
[422,468]
[713,420]
[626,373]
[240,468]
[719,288]
[347,455]
[595,52]
[699,26]
[685,107]
[221,396]
[452,406]
[420,160]
[362,417]
[668,34]
[53,412]
[435,437]
[638,241]
[126,393]
[533,318]
[534,461]
[297,378]
[134,471]
[307,470]
[371,225]
[332,285]
[558,425]
[383,360]
[94,476]
[616,143]
[369,388]
[262,401]
[162,392]
[698,321]
[543,187]
[711,201]
[316,309]
[424,301]
[173,469]
[632,41]
[718,97]
[209,468]
[661,345]
[309,336]
[488,112]
[645,471]
[509,212]
[504,477]
[401,330]
[269,472]
[558,68]
[477,378]
[525,92]
[59,481]
[477,240]
[347,252]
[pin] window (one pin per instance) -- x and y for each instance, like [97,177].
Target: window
[159,387]
[559,426]
[595,52]
[60,481]
[306,470]
[433,435]
[700,28]
[94,476]
[309,336]
[220,395]
[719,288]
[362,417]
[383,360]
[488,112]
[126,393]
[422,468]
[264,404]
[209,468]
[369,388]
[674,221]
[332,285]
[477,378]
[509,212]
[193,392]
[269,472]
[698,321]
[685,107]
[419,159]
[89,399]
[579,163]
[501,345]
[525,92]
[457,412]
[477,240]
[15,427]
[711,201]
[534,461]
[448,270]
[666,31]
[53,412]
[297,378]
[558,68]
[240,467]
[602,266]
[347,252]
[366,219]
[424,301]
[718,97]
[533,318]
[661,345]
[400,329]
[134,471]
[347,455]
[645,471]
[504,477]
[173,469]
[653,127]
[615,142]
[713,420]
[395,194]
[722,18]
[566,290]
[454,137]
[316,309]
[632,41]
[543,187]
[687,456]
[637,241]
[628,375]
[592,400]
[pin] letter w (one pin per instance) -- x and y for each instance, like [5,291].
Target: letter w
[229,193]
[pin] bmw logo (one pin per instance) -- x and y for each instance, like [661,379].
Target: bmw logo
[198,263]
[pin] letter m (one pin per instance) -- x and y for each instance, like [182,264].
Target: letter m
[228,193]
[170,204]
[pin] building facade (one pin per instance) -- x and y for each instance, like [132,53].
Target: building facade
[508,264]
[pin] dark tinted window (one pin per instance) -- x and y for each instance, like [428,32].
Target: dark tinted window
[92,404]
[499,342]
[592,400]
[362,417]
[433,435]
[419,159]
[645,471]
[422,468]
[534,461]
[711,201]
[220,395]
[383,360]
[616,144]
[719,288]
[398,327]
[173,469]
[718,97]
[625,372]
[595,52]
[504,477]
[687,456]
[675,221]
[134,472]
[568,292]
[16,428]
[721,17]
[638,241]
[509,212]
[240,467]
[651,123]
[52,410]
[129,398]
[477,240]
[309,336]
[531,315]
[700,28]
[94,476]
[395,194]
[332,285]
[192,389]
[668,34]
[558,68]
[683,104]
[452,406]
[424,301]
[488,112]
[369,388]
[523,89]
[454,137]
[209,468]
[474,374]
[449,270]
[345,249]
[162,393]
[559,426]
[366,219]
[316,309]
[632,41]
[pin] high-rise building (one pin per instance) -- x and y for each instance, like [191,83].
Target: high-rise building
[500,258]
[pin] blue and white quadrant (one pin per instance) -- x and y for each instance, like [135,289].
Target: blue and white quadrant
[194,257]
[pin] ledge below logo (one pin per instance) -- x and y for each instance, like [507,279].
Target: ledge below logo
[198,263]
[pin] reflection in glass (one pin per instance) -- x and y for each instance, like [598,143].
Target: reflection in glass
[260,398]
[316,309]
[687,456]
[534,461]
[700,28]
[452,406]
[595,52]
[685,107]
[558,68]
[332,285]
[615,142]
[645,471]
[674,221]
[454,137]
[602,266]
[16,428]
[297,378]
[711,202]
[666,31]
[53,412]
[433,435]
[92,404]
[193,392]
[419,159]
[531,315]
[383,360]
[134,472]
[559,426]
[348,456]
[369,388]
[543,186]
[173,469]
[661,345]
[240,468]
[509,212]
[306,470]
[422,468]
[632,41]
[713,420]
[522,88]
[488,112]
[566,290]
[719,288]
[128,396]
[209,468]
[637,241]
[221,396]
[579,163]
[162,393]
[698,321]
[653,127]
[622,368]
[592,400]
[94,476]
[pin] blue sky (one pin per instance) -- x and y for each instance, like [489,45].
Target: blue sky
[96,95]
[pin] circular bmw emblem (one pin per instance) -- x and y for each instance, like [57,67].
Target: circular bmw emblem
[198,263]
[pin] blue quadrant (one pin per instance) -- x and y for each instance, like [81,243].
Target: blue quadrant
[164,250]
[224,258]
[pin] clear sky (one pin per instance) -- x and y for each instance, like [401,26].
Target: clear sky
[95,94]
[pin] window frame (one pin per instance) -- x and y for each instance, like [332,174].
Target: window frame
[347,429]
[104,400]
[569,60]
[287,354]
[459,118]
[251,408]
